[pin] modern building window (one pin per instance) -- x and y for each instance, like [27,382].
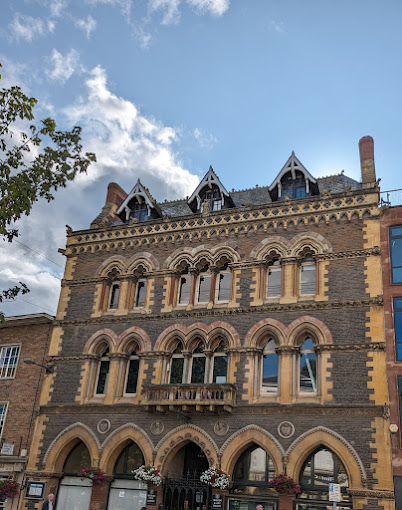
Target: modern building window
[114,296]
[308,367]
[307,275]
[3,412]
[269,368]
[224,283]
[395,241]
[132,371]
[204,285]
[252,472]
[103,374]
[398,327]
[177,365]
[184,289]
[220,364]
[140,293]
[198,364]
[274,278]
[8,361]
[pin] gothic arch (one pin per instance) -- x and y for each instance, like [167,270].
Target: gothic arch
[236,444]
[114,262]
[277,243]
[305,445]
[310,325]
[169,445]
[309,239]
[145,258]
[264,328]
[63,443]
[137,334]
[103,335]
[117,440]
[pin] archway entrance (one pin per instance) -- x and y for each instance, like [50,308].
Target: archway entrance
[183,487]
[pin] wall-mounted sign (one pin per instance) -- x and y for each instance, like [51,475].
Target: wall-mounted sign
[7,449]
[151,498]
[217,503]
[35,490]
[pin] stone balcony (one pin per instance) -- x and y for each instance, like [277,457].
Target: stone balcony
[184,397]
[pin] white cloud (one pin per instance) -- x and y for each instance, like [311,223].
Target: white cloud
[125,6]
[277,26]
[62,66]
[214,7]
[57,7]
[26,27]
[205,140]
[170,9]
[88,25]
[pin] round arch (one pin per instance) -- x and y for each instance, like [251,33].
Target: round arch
[236,444]
[118,440]
[64,443]
[179,437]
[306,444]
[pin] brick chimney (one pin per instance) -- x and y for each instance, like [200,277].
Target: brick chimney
[115,194]
[366,148]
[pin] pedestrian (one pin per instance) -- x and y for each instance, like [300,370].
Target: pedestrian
[49,503]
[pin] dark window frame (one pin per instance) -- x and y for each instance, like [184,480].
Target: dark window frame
[391,238]
[397,309]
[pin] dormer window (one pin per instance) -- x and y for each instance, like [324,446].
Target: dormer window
[213,197]
[138,210]
[293,188]
[139,206]
[210,195]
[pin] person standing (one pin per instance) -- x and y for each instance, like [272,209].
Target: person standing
[49,503]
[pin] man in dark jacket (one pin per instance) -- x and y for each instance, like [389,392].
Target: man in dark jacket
[49,503]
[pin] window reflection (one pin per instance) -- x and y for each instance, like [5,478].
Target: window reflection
[308,367]
[177,365]
[252,471]
[269,379]
[130,458]
[198,365]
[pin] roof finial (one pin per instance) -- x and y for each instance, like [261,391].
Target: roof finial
[210,168]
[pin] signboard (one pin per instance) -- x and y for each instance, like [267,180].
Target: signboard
[334,492]
[7,449]
[151,498]
[217,503]
[35,490]
[198,497]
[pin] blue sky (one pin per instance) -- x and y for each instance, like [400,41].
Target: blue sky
[164,88]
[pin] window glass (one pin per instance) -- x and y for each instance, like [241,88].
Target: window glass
[132,376]
[204,288]
[8,361]
[103,374]
[225,279]
[114,295]
[139,211]
[3,411]
[308,367]
[254,467]
[176,371]
[141,292]
[274,283]
[269,382]
[198,370]
[184,290]
[78,457]
[307,276]
[130,458]
[395,235]
[398,327]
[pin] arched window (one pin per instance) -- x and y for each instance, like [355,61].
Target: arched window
[274,278]
[308,367]
[177,365]
[103,372]
[252,471]
[319,470]
[198,364]
[78,457]
[307,275]
[223,284]
[219,364]
[114,295]
[129,459]
[132,371]
[269,368]
[183,291]
[204,284]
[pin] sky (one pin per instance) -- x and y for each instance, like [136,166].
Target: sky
[164,88]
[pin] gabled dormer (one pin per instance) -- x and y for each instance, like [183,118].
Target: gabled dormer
[293,181]
[139,205]
[210,193]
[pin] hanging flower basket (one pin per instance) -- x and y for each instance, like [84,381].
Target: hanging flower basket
[148,474]
[92,473]
[8,489]
[215,477]
[284,484]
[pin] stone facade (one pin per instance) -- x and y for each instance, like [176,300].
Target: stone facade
[333,228]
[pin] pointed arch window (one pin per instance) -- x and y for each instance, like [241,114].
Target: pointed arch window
[204,285]
[307,275]
[129,459]
[132,371]
[103,373]
[177,365]
[274,278]
[114,295]
[308,367]
[183,293]
[78,458]
[198,361]
[223,284]
[269,368]
[220,364]
[252,471]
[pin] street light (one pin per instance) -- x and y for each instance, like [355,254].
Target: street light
[49,368]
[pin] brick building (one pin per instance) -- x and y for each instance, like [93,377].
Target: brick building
[239,329]
[25,336]
[391,253]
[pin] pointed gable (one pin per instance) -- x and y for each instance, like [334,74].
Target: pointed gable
[210,189]
[139,204]
[294,181]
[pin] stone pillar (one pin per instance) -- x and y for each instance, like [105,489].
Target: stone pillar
[159,496]
[285,501]
[99,496]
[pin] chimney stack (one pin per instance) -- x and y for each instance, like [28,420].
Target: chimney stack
[115,195]
[366,148]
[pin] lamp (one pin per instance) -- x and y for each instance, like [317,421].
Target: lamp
[49,368]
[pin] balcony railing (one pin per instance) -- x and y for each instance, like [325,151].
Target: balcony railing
[391,198]
[185,396]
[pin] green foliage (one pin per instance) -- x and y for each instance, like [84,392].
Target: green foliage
[34,162]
